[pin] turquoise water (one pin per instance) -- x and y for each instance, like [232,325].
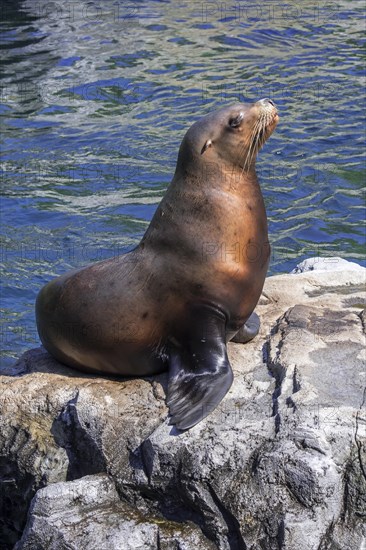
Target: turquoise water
[96,97]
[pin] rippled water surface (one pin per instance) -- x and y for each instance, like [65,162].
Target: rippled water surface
[96,97]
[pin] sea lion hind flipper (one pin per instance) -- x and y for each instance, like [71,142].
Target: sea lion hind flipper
[248,331]
[200,374]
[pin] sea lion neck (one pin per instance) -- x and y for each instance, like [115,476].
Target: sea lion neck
[214,174]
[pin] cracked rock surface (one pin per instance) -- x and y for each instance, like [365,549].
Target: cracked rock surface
[91,462]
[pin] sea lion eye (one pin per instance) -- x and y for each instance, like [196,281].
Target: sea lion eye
[235,122]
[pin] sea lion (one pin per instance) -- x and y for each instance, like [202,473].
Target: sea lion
[189,286]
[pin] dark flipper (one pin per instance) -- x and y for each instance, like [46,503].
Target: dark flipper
[248,331]
[199,371]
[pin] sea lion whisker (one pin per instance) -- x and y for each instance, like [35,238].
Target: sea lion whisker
[261,139]
[251,148]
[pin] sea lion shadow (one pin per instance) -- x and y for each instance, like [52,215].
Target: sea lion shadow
[38,360]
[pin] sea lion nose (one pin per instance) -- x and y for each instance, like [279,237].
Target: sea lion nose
[266,100]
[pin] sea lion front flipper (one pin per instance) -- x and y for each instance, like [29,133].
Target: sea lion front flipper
[199,371]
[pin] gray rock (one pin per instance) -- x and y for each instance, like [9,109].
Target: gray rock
[88,513]
[281,463]
[333,263]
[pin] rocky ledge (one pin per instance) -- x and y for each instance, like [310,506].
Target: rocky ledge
[91,463]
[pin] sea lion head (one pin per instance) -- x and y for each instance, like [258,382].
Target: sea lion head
[232,135]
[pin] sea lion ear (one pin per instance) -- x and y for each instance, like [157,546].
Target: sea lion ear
[235,122]
[206,146]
